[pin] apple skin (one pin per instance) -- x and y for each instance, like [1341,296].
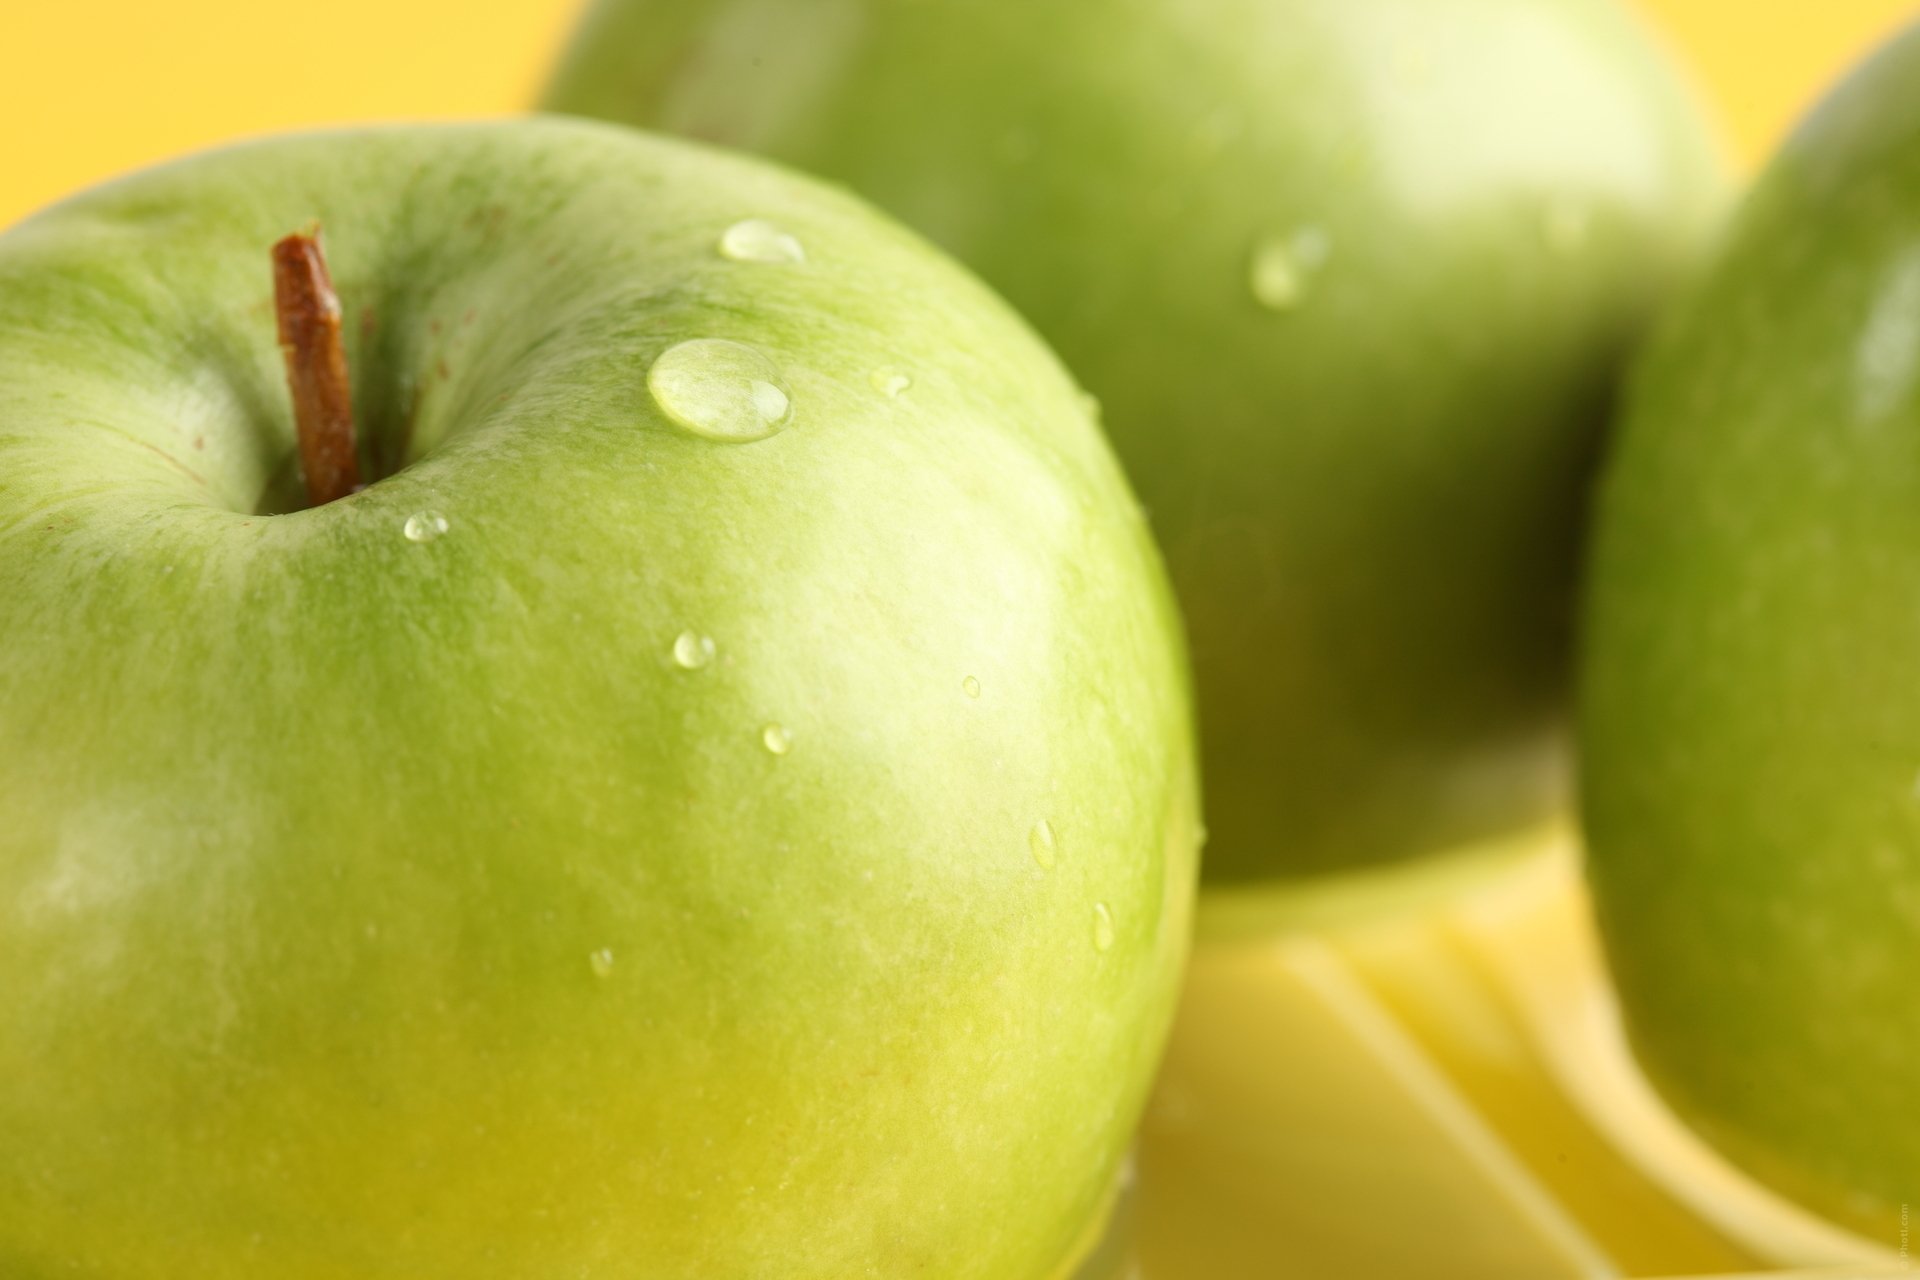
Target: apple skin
[1369,499]
[373,907]
[1750,728]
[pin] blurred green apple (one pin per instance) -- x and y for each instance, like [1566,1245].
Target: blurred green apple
[1351,279]
[718,803]
[1751,730]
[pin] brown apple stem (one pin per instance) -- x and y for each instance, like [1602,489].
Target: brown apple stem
[309,314]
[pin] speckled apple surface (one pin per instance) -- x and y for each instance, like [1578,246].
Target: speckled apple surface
[1750,723]
[406,887]
[1351,279]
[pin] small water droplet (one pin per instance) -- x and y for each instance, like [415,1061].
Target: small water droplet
[1283,267]
[1566,226]
[970,687]
[692,651]
[776,739]
[720,390]
[757,240]
[1041,841]
[1102,927]
[424,526]
[891,381]
[1090,405]
[602,962]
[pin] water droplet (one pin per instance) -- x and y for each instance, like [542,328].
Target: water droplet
[970,687]
[602,962]
[1090,405]
[692,651]
[1102,927]
[1283,267]
[1041,841]
[720,390]
[424,526]
[757,240]
[1566,226]
[890,380]
[776,739]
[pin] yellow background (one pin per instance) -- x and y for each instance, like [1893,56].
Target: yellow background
[90,88]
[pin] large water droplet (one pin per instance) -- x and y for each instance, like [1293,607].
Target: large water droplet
[757,240]
[970,687]
[1041,841]
[1102,927]
[891,381]
[720,390]
[424,526]
[1283,267]
[602,962]
[692,651]
[776,739]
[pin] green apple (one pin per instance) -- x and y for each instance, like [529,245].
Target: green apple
[1750,726]
[719,802]
[1351,279]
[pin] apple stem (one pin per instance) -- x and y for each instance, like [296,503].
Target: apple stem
[309,315]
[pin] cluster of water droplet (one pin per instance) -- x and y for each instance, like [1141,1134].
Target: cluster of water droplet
[730,392]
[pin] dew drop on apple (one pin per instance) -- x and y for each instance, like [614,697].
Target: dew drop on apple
[776,739]
[720,390]
[890,381]
[1041,841]
[1090,405]
[692,651]
[602,962]
[757,240]
[1102,927]
[1283,267]
[971,687]
[424,526]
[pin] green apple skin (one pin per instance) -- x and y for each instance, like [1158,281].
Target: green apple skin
[1750,724]
[1369,492]
[378,908]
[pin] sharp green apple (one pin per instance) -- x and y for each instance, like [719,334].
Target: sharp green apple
[1350,278]
[718,801]
[1751,732]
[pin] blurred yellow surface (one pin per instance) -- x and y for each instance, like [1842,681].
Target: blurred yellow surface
[91,88]
[1436,1086]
